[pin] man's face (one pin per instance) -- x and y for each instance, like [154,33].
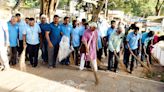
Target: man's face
[43,20]
[18,18]
[92,28]
[31,23]
[113,25]
[119,31]
[13,21]
[66,21]
[136,31]
[27,21]
[56,20]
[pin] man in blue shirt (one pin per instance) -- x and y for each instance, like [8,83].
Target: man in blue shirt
[66,30]
[109,32]
[31,37]
[13,37]
[99,43]
[132,41]
[53,37]
[22,27]
[44,26]
[75,41]
[144,36]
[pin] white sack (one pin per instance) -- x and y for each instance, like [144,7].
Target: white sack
[64,48]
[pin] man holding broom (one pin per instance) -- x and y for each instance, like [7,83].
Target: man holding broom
[115,41]
[132,41]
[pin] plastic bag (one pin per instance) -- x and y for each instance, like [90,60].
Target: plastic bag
[64,48]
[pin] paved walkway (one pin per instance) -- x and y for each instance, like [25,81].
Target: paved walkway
[69,79]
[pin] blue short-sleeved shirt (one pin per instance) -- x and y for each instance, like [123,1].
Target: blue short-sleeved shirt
[22,27]
[82,30]
[32,34]
[133,40]
[144,36]
[99,40]
[76,37]
[44,27]
[109,32]
[13,34]
[66,30]
[55,36]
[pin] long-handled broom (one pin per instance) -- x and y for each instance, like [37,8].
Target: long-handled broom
[22,64]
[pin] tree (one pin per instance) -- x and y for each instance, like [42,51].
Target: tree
[158,7]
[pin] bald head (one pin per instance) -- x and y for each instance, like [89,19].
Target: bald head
[13,20]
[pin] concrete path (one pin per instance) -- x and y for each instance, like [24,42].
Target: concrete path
[70,79]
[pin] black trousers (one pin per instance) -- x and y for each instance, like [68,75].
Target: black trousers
[33,54]
[126,58]
[20,47]
[13,59]
[110,61]
[99,54]
[76,55]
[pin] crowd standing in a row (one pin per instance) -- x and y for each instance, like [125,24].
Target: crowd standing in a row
[84,37]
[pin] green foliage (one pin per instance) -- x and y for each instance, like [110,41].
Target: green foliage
[134,7]
[63,4]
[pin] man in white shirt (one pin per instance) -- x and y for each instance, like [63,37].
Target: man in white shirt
[31,37]
[115,42]
[4,43]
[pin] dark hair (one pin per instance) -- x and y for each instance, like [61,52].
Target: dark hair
[74,21]
[84,20]
[17,14]
[136,28]
[56,16]
[27,18]
[66,18]
[113,21]
[150,34]
[31,19]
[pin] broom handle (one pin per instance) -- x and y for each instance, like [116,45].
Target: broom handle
[121,63]
[138,59]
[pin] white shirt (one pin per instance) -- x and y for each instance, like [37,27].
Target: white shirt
[3,27]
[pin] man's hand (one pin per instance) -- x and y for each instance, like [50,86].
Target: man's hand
[50,45]
[7,45]
[24,45]
[87,50]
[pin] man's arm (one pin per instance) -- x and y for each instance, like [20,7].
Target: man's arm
[24,40]
[48,39]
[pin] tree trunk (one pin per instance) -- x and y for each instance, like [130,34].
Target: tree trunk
[97,9]
[16,6]
[48,7]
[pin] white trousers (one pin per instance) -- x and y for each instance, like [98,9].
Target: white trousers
[82,63]
[3,57]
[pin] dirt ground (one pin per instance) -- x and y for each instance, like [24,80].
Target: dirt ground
[109,81]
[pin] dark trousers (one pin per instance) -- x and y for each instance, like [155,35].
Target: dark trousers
[110,61]
[20,47]
[105,40]
[13,59]
[99,54]
[33,54]
[52,55]
[142,53]
[126,58]
[148,51]
[75,55]
[44,51]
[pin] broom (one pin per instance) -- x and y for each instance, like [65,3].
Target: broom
[121,63]
[22,64]
[141,62]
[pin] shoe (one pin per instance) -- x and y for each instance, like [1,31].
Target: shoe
[130,72]
[67,63]
[50,67]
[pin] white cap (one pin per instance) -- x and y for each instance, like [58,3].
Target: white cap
[93,24]
[43,16]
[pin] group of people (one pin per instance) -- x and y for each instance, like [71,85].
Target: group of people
[86,39]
